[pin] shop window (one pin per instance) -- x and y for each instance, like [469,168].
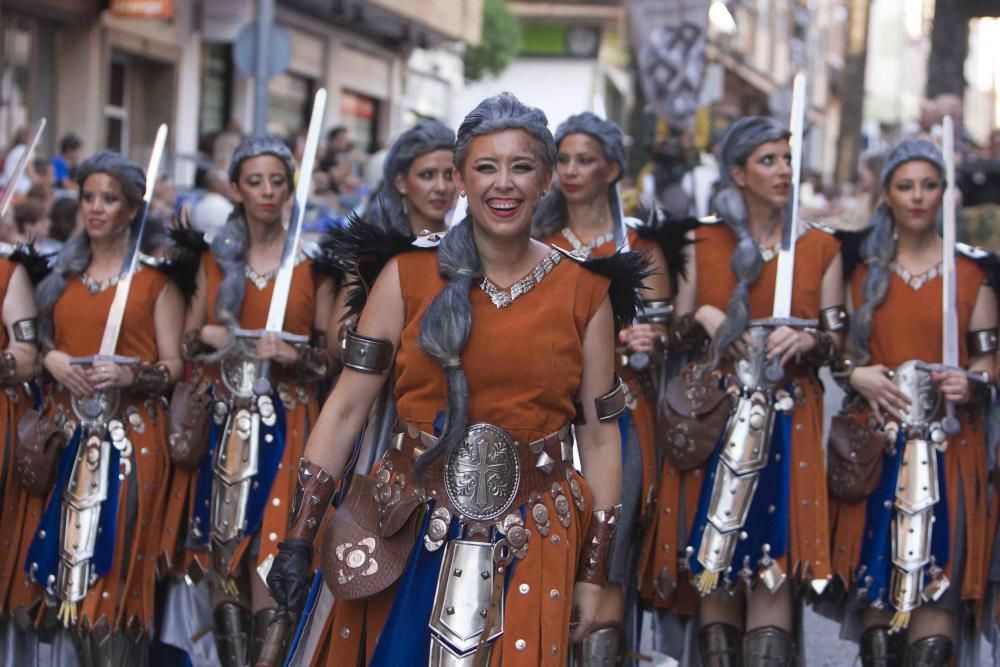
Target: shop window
[216,84]
[359,115]
[116,108]
[291,104]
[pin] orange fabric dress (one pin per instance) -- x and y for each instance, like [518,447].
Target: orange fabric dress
[664,580]
[641,408]
[17,505]
[123,597]
[908,326]
[301,410]
[524,365]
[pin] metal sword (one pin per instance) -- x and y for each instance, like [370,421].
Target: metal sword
[22,164]
[949,295]
[283,281]
[116,315]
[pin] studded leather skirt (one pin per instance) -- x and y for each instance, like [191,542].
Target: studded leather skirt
[528,496]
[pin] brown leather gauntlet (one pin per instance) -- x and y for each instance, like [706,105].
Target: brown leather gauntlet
[151,380]
[686,335]
[313,495]
[311,363]
[596,550]
[823,353]
[8,367]
[193,348]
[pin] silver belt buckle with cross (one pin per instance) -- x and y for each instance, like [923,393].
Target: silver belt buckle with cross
[483,474]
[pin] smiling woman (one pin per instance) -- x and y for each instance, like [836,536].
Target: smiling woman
[481,449]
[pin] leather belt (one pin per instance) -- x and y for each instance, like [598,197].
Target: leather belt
[538,464]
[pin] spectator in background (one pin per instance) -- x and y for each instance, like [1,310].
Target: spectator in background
[226,142]
[64,164]
[42,188]
[164,199]
[372,174]
[210,212]
[337,141]
[65,219]
[18,146]
[33,225]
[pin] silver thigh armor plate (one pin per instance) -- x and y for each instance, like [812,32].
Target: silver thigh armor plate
[234,467]
[465,595]
[744,454]
[80,514]
[483,474]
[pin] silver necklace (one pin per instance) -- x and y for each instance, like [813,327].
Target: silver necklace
[915,282]
[502,298]
[584,249]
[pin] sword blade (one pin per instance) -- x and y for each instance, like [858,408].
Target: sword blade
[283,281]
[116,315]
[786,256]
[949,315]
[22,164]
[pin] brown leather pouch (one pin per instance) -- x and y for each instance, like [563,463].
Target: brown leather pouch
[854,461]
[692,416]
[364,550]
[190,419]
[39,442]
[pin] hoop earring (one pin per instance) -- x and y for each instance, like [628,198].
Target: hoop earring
[406,208]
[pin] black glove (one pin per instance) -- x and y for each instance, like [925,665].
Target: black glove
[291,575]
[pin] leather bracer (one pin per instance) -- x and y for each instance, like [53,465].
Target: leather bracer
[192,347]
[313,494]
[311,363]
[823,353]
[8,367]
[686,335]
[596,550]
[151,380]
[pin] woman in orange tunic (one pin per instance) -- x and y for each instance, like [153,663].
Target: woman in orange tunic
[583,215]
[783,533]
[896,293]
[484,520]
[102,588]
[233,525]
[18,338]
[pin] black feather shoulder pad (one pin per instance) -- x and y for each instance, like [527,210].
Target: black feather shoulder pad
[38,266]
[850,249]
[987,261]
[668,232]
[626,271]
[360,250]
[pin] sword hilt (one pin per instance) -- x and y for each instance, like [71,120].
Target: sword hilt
[113,358]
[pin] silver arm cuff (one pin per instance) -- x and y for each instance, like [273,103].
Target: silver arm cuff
[657,311]
[983,341]
[833,319]
[367,355]
[26,330]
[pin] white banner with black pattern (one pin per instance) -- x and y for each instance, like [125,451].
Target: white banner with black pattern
[669,40]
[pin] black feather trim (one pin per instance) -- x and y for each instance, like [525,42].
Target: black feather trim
[671,234]
[180,258]
[361,250]
[850,249]
[987,261]
[626,271]
[38,266]
[322,267]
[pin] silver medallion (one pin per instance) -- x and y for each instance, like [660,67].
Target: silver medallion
[483,474]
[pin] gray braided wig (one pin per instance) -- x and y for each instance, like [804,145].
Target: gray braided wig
[551,215]
[425,137]
[445,326]
[740,140]
[74,257]
[231,244]
[878,249]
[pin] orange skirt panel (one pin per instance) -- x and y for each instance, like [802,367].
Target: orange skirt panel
[539,602]
[16,504]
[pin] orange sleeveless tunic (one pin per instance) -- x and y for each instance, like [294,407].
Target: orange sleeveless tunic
[808,540]
[908,326]
[123,596]
[524,365]
[643,411]
[300,402]
[17,505]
